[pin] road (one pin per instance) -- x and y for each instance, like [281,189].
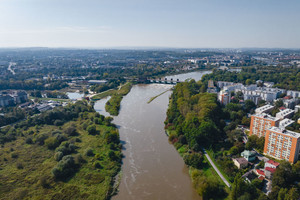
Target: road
[216,169]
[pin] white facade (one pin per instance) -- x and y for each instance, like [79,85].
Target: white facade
[294,94]
[264,109]
[286,113]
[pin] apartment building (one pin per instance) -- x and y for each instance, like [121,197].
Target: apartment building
[282,144]
[264,109]
[294,94]
[224,97]
[285,114]
[261,122]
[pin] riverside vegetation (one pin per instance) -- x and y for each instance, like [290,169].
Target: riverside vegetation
[112,106]
[70,152]
[196,120]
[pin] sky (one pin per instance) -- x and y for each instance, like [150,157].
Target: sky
[150,23]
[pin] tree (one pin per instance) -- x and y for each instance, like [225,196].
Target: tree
[91,129]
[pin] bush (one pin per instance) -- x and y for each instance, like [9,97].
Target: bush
[194,159]
[92,130]
[78,159]
[43,182]
[89,152]
[58,156]
[51,143]
[65,168]
[28,141]
[66,148]
[14,155]
[19,166]
[71,130]
[97,165]
[41,139]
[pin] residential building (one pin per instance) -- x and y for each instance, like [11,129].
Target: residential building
[282,144]
[221,84]
[261,122]
[290,103]
[264,109]
[254,98]
[269,172]
[6,100]
[249,176]
[250,156]
[286,113]
[294,94]
[285,123]
[297,108]
[260,173]
[224,97]
[271,164]
[240,162]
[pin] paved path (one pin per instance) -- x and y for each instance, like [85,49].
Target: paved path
[216,169]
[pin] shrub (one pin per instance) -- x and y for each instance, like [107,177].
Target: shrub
[66,148]
[71,130]
[92,130]
[65,168]
[43,182]
[51,142]
[41,139]
[89,152]
[97,165]
[19,166]
[14,155]
[194,159]
[58,156]
[78,159]
[29,141]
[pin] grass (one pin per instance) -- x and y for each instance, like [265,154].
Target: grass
[152,98]
[102,95]
[112,106]
[38,161]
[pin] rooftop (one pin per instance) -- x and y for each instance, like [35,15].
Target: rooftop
[272,170]
[272,162]
[266,116]
[263,108]
[260,172]
[241,160]
[285,122]
[285,132]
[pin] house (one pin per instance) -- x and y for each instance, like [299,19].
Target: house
[260,173]
[269,172]
[249,176]
[271,164]
[240,162]
[250,156]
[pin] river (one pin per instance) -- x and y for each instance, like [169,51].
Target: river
[152,168]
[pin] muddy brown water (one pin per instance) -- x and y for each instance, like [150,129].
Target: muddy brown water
[152,168]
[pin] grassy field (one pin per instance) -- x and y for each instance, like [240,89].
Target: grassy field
[26,169]
[104,94]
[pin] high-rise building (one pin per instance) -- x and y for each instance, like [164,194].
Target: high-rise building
[261,122]
[282,144]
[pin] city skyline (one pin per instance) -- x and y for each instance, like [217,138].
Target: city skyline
[167,24]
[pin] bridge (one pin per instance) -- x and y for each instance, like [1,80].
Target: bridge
[163,81]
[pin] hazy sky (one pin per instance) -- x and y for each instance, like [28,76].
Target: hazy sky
[150,23]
